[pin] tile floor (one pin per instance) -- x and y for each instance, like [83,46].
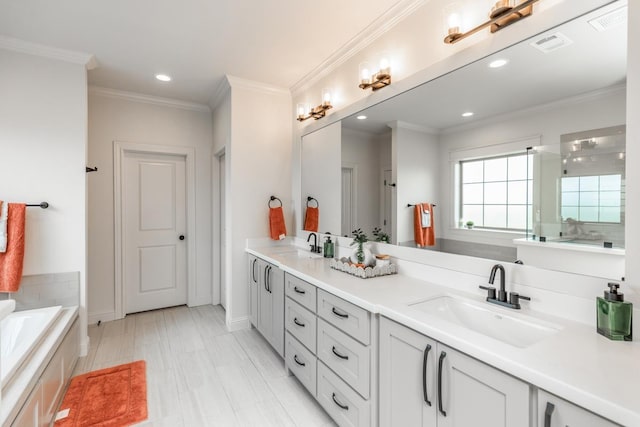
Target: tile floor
[199,374]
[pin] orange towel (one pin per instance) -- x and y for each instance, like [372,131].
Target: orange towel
[311,219]
[11,262]
[424,234]
[277,227]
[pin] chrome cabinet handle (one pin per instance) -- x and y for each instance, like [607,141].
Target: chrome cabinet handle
[425,360]
[548,412]
[345,407]
[295,320]
[299,291]
[344,316]
[341,356]
[295,359]
[440,363]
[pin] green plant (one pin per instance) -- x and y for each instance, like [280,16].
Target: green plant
[380,235]
[469,224]
[359,238]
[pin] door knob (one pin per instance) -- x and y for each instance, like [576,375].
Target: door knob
[181,237]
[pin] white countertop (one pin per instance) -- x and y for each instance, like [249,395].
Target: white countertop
[576,363]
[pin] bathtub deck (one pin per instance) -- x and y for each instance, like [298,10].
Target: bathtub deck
[198,374]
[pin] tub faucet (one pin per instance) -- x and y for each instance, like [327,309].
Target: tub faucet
[314,247]
[501,298]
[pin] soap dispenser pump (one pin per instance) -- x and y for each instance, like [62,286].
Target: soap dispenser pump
[328,247]
[614,315]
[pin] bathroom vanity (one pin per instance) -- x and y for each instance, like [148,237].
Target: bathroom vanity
[387,351]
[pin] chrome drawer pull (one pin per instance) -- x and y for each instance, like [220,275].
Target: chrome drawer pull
[345,407]
[295,320]
[344,316]
[295,359]
[341,356]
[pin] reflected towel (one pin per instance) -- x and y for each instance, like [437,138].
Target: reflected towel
[423,225]
[311,219]
[12,260]
[277,227]
[4,207]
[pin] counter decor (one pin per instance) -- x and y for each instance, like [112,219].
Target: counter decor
[362,272]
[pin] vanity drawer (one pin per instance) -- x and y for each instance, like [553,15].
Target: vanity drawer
[344,405]
[345,356]
[300,291]
[301,323]
[562,413]
[348,317]
[301,362]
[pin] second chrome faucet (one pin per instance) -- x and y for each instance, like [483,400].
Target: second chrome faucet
[502,298]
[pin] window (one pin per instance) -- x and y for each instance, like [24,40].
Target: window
[496,192]
[595,198]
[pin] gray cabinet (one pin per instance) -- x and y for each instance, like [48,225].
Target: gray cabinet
[556,412]
[425,383]
[266,282]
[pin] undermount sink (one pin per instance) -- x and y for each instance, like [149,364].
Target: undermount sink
[308,254]
[517,330]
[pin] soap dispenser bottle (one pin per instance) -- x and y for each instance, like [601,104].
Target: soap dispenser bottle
[328,247]
[614,315]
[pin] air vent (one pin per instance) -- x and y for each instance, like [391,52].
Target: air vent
[552,42]
[609,20]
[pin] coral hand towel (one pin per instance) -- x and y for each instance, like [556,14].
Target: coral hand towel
[311,218]
[12,260]
[277,226]
[423,225]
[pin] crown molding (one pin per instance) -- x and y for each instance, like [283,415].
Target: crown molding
[17,45]
[377,28]
[147,99]
[229,82]
[399,124]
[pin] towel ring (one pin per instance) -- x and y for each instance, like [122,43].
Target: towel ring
[309,199]
[272,198]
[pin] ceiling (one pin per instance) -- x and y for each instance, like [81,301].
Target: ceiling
[593,60]
[196,42]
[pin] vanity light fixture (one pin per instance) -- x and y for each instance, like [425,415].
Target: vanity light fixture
[304,111]
[369,78]
[503,14]
[163,77]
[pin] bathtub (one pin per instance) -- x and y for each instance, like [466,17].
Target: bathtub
[20,332]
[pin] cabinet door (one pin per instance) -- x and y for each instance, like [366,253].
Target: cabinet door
[255,266]
[265,298]
[475,394]
[30,414]
[556,412]
[276,288]
[407,377]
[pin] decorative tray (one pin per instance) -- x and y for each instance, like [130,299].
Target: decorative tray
[362,272]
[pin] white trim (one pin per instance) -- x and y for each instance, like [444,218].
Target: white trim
[219,94]
[119,149]
[148,99]
[85,343]
[239,324]
[498,149]
[377,28]
[234,81]
[106,316]
[354,190]
[412,126]
[17,45]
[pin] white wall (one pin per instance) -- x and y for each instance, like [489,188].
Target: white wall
[43,140]
[118,116]
[320,157]
[416,173]
[258,164]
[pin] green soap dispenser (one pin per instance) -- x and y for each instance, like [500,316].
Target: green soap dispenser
[614,315]
[328,247]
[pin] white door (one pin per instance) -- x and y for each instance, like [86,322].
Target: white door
[223,232]
[348,204]
[154,222]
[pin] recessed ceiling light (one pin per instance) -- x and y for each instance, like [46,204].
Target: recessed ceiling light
[467,114]
[163,77]
[498,63]
[361,117]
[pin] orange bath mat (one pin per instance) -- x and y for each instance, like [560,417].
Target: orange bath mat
[112,397]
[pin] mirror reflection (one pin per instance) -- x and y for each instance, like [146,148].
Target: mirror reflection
[491,147]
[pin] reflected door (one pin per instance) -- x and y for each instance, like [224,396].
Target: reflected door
[348,202]
[154,218]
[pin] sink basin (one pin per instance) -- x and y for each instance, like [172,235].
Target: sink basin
[308,254]
[517,330]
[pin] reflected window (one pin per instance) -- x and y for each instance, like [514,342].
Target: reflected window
[496,192]
[595,198]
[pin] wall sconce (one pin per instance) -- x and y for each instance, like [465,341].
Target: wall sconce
[503,14]
[375,79]
[304,111]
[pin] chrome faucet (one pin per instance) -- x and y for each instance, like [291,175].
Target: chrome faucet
[314,247]
[501,299]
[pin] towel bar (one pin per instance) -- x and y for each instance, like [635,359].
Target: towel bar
[409,205]
[43,205]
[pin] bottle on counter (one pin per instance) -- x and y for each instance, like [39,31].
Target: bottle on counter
[328,247]
[614,315]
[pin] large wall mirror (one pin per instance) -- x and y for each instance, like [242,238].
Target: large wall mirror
[491,143]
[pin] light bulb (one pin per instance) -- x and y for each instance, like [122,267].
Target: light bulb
[454,22]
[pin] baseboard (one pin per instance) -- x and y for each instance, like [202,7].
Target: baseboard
[239,324]
[101,317]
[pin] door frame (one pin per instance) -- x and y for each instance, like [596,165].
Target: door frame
[353,167]
[120,149]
